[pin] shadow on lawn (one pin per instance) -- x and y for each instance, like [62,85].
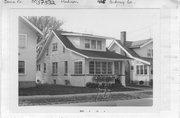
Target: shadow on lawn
[62,90]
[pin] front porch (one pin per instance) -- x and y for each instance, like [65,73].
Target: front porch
[105,71]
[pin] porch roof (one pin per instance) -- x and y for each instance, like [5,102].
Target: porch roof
[90,54]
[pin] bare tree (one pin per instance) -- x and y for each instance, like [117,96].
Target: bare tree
[45,24]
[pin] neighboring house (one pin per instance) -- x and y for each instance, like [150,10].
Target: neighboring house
[28,35]
[70,58]
[140,69]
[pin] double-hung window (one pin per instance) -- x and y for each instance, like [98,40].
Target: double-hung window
[91,67]
[145,69]
[54,47]
[78,67]
[66,67]
[87,43]
[104,68]
[141,67]
[137,70]
[109,67]
[21,67]
[99,45]
[22,40]
[93,44]
[98,67]
[54,67]
[44,67]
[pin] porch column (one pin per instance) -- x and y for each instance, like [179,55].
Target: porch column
[123,77]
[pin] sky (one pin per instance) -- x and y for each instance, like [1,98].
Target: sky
[138,23]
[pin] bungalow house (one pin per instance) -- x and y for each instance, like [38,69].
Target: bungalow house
[140,69]
[70,58]
[28,35]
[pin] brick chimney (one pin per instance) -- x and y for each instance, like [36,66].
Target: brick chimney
[123,37]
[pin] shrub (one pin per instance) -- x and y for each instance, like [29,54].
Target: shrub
[92,85]
[141,82]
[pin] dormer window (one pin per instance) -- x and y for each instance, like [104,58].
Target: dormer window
[87,43]
[93,44]
[99,45]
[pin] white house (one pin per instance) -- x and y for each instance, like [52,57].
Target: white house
[140,69]
[70,58]
[28,35]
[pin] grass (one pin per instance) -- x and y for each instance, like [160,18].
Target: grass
[73,99]
[62,90]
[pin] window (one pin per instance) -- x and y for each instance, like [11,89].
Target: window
[87,43]
[64,49]
[109,67]
[91,67]
[137,70]
[141,69]
[99,45]
[116,67]
[22,40]
[44,67]
[93,44]
[54,67]
[98,68]
[151,71]
[38,67]
[54,47]
[78,67]
[132,67]
[47,53]
[145,69]
[104,68]
[66,67]
[21,67]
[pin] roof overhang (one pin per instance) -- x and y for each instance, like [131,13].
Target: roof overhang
[115,42]
[85,35]
[109,59]
[146,43]
[31,25]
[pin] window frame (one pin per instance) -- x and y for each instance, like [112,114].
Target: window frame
[24,69]
[44,69]
[54,69]
[65,67]
[87,41]
[145,70]
[95,46]
[54,45]
[25,40]
[77,66]
[100,45]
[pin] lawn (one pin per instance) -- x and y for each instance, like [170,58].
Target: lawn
[62,90]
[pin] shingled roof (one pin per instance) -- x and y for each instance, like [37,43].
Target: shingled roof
[136,44]
[128,47]
[88,53]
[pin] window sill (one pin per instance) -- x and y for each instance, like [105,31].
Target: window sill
[22,74]
[78,75]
